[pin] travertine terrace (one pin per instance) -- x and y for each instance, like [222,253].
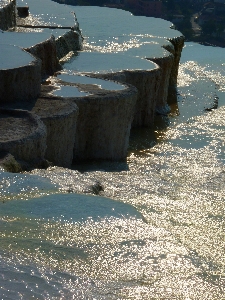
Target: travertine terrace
[52,75]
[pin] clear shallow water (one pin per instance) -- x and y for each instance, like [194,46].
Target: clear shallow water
[69,91]
[93,62]
[22,39]
[103,84]
[73,91]
[162,235]
[24,186]
[203,69]
[72,207]
[53,14]
[124,33]
[9,55]
[164,238]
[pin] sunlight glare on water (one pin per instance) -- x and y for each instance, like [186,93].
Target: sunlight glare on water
[160,236]
[178,187]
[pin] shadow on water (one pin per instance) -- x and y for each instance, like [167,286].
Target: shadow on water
[208,270]
[100,165]
[145,138]
[140,139]
[72,58]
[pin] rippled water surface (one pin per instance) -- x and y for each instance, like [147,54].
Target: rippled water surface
[156,231]
[162,237]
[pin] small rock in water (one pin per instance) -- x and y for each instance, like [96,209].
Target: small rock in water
[97,188]
[9,163]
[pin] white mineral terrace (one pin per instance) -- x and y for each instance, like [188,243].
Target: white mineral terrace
[48,13]
[20,76]
[161,235]
[13,57]
[103,84]
[130,69]
[69,91]
[22,134]
[95,62]
[26,39]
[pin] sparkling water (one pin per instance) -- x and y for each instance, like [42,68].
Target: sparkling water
[156,231]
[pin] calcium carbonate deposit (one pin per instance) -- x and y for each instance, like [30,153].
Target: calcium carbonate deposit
[150,227]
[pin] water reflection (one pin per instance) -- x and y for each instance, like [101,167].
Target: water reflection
[103,84]
[69,91]
[177,186]
[24,186]
[94,62]
[67,208]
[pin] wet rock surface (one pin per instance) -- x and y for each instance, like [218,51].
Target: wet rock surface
[46,52]
[104,119]
[20,75]
[142,74]
[9,163]
[60,119]
[178,44]
[94,122]
[22,134]
[7,14]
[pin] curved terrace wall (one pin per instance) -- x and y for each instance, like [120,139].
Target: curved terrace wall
[92,122]
[166,64]
[45,46]
[104,119]
[7,14]
[20,75]
[70,41]
[178,43]
[60,119]
[103,125]
[147,83]
[23,135]
[46,52]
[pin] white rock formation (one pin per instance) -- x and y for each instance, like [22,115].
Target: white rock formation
[23,135]
[20,75]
